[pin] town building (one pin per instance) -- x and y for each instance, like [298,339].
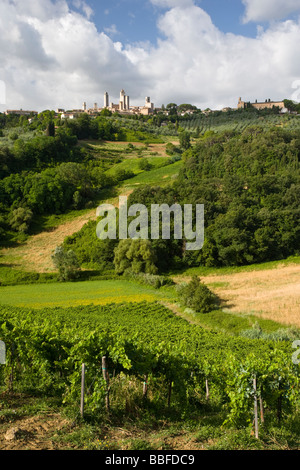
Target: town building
[21,112]
[106,100]
[124,107]
[267,104]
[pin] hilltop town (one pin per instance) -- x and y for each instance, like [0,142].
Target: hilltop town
[148,108]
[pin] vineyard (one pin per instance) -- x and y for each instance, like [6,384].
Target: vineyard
[238,122]
[171,362]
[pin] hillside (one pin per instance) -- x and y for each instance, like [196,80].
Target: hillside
[179,377]
[118,160]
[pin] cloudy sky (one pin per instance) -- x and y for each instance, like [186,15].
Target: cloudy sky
[59,53]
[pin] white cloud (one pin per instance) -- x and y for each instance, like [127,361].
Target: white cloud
[112,30]
[268,10]
[172,3]
[84,7]
[197,63]
[52,57]
[41,9]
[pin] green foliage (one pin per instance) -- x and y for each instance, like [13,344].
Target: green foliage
[149,279]
[12,277]
[67,264]
[90,250]
[197,296]
[20,219]
[200,124]
[14,136]
[47,351]
[172,149]
[292,106]
[185,140]
[249,185]
[50,131]
[145,165]
[137,256]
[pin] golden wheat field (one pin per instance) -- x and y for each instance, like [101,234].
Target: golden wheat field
[272,294]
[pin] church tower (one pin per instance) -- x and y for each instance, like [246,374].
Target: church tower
[122,101]
[106,100]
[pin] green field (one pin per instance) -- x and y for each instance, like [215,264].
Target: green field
[80,293]
[161,176]
[132,164]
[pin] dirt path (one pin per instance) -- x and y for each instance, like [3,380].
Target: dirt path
[35,254]
[273,294]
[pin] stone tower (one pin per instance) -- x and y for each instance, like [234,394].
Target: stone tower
[106,100]
[122,100]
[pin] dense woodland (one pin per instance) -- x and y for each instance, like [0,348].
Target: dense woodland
[250,186]
[248,180]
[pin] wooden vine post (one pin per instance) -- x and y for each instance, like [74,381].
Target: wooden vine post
[82,390]
[170,393]
[11,375]
[145,387]
[261,406]
[106,378]
[207,389]
[255,407]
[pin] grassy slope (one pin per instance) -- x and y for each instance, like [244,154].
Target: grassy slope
[81,293]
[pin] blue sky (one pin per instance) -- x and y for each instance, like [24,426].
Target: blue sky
[136,20]
[59,53]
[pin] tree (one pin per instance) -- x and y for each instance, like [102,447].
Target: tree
[172,109]
[185,140]
[50,130]
[290,105]
[106,112]
[197,296]
[136,256]
[67,263]
[186,107]
[20,219]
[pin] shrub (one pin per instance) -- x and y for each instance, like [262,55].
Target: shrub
[153,280]
[197,296]
[67,264]
[282,334]
[145,165]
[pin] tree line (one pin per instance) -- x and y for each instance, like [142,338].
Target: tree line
[249,184]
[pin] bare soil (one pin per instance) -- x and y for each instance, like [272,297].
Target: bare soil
[32,433]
